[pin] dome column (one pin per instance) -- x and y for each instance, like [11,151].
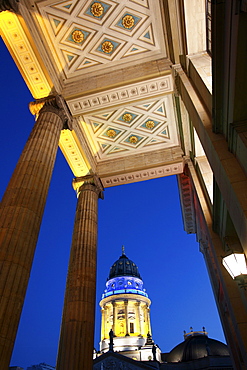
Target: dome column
[103,321]
[21,213]
[77,329]
[148,321]
[138,321]
[126,317]
[114,307]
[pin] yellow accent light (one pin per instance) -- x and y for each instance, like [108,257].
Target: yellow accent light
[20,45]
[73,154]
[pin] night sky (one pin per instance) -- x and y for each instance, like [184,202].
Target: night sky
[145,217]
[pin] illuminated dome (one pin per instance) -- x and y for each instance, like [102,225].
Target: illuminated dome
[197,345]
[124,277]
[125,309]
[124,267]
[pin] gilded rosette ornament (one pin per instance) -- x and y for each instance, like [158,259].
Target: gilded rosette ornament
[77,36]
[111,133]
[127,117]
[128,21]
[150,124]
[97,9]
[107,47]
[133,139]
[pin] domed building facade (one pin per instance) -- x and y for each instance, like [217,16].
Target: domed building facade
[126,335]
[197,351]
[125,308]
[196,345]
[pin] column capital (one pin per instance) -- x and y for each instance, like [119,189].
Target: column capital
[55,104]
[87,182]
[10,5]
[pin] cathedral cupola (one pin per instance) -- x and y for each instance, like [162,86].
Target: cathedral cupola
[124,267]
[125,309]
[124,277]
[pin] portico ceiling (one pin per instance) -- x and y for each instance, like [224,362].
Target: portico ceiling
[88,36]
[109,60]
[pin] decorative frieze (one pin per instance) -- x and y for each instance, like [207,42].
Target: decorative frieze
[135,176]
[141,90]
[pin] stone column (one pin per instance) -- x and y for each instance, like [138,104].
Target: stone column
[126,318]
[77,329]
[146,321]
[114,317]
[148,318]
[103,319]
[21,212]
[138,319]
[10,5]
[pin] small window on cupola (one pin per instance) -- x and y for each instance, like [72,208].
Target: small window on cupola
[131,327]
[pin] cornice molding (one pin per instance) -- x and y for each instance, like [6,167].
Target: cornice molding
[146,174]
[123,95]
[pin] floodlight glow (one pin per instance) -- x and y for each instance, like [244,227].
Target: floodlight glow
[235,264]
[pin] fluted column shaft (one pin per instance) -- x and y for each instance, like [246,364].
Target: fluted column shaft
[103,319]
[138,320]
[126,318]
[148,318]
[77,330]
[21,212]
[114,317]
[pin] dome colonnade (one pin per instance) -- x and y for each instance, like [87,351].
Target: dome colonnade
[125,309]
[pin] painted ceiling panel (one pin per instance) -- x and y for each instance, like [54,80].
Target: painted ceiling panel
[91,35]
[131,129]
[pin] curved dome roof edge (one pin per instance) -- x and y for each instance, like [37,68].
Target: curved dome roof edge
[124,267]
[195,347]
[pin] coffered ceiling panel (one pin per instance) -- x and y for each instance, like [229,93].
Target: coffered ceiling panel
[147,126]
[90,35]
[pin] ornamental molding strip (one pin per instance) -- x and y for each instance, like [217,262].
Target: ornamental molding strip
[73,154]
[151,173]
[26,60]
[141,90]
[187,203]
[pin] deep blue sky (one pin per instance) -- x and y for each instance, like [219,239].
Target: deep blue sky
[145,217]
